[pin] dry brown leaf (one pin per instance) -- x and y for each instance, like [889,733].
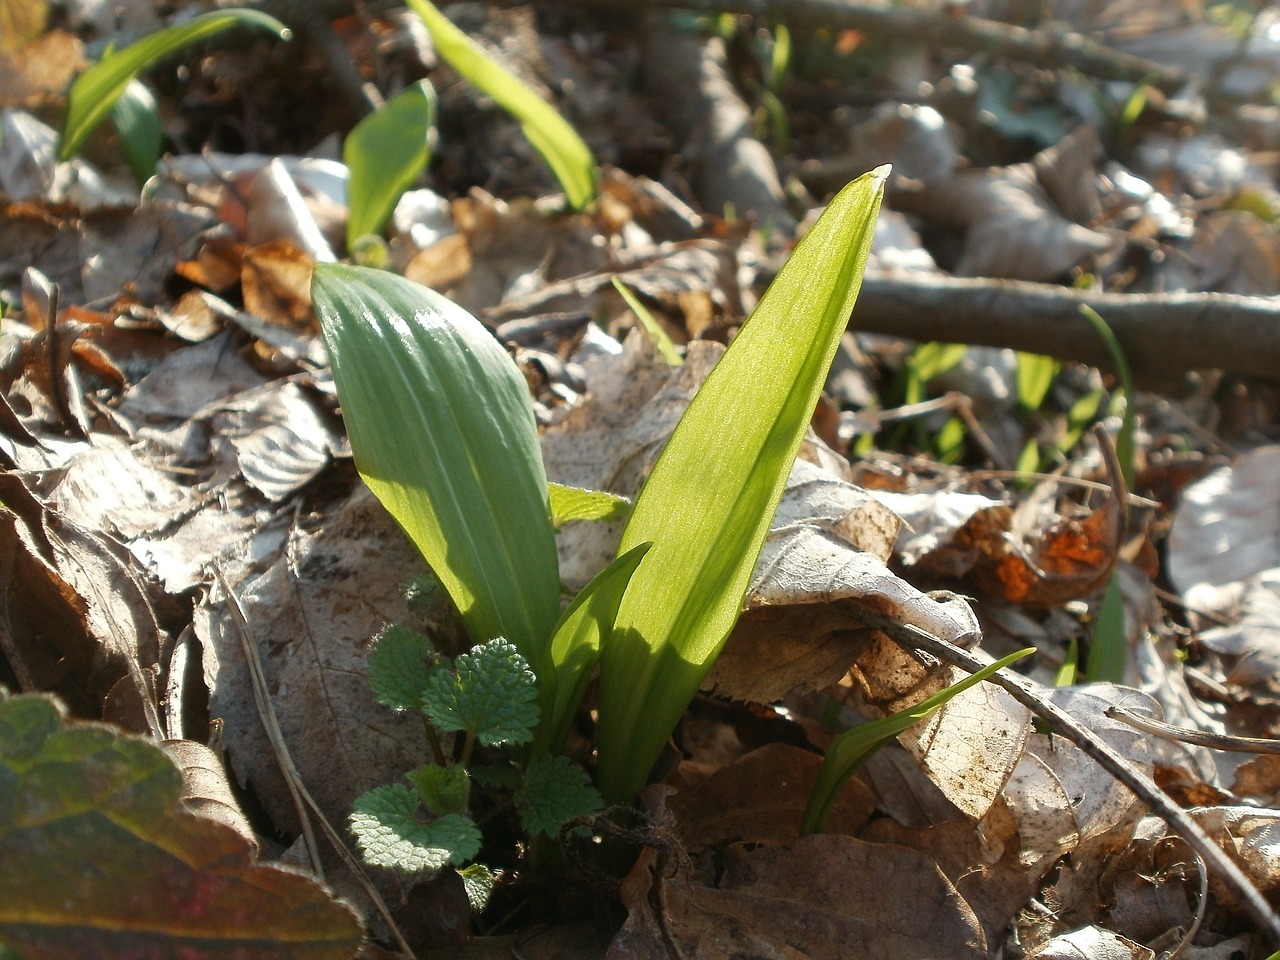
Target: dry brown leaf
[39,70]
[275,279]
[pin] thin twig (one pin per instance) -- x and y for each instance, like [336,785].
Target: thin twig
[1064,725]
[293,780]
[1199,738]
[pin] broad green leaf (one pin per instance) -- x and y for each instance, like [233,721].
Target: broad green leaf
[479,881]
[575,503]
[708,503]
[490,693]
[137,122]
[387,827]
[555,790]
[398,666]
[96,90]
[661,340]
[853,747]
[443,432]
[385,152]
[102,860]
[575,647]
[566,154]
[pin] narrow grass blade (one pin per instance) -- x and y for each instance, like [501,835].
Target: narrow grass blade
[575,503]
[443,432]
[708,503]
[852,748]
[1109,645]
[566,154]
[137,122]
[575,647]
[1124,440]
[664,343]
[386,152]
[96,90]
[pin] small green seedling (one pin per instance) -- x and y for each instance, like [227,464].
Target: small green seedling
[385,153]
[136,118]
[95,92]
[853,748]
[664,344]
[471,491]
[566,154]
[489,698]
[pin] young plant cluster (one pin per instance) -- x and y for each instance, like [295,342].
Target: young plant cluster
[486,698]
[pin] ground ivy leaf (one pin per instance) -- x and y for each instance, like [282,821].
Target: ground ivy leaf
[102,861]
[555,790]
[399,664]
[442,789]
[490,692]
[387,827]
[478,880]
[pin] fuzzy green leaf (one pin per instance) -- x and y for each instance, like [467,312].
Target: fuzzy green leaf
[96,90]
[490,692]
[479,881]
[708,503]
[496,776]
[575,647]
[555,790]
[575,503]
[399,664]
[852,748]
[566,154]
[137,121]
[443,432]
[386,152]
[442,789]
[386,825]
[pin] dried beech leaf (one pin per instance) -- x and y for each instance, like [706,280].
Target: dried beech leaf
[102,862]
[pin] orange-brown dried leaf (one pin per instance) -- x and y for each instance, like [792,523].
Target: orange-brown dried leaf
[101,861]
[276,280]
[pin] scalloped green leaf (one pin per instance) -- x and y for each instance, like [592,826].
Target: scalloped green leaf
[387,827]
[555,791]
[708,502]
[442,789]
[95,92]
[490,692]
[102,861]
[399,665]
[443,432]
[385,153]
[566,154]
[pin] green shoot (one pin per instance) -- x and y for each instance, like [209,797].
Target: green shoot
[1109,646]
[96,91]
[854,747]
[137,122]
[1124,440]
[660,339]
[1069,671]
[1035,375]
[708,502]
[386,152]
[566,154]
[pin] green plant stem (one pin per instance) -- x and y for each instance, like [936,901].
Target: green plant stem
[433,738]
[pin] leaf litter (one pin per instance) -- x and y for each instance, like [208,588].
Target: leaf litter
[175,416]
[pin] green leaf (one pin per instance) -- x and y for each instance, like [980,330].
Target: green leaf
[1035,375]
[443,432]
[853,747]
[1109,645]
[386,152]
[555,790]
[398,667]
[490,693]
[1124,440]
[933,359]
[389,833]
[576,503]
[666,347]
[101,859]
[479,881]
[565,152]
[708,503]
[442,789]
[96,90]
[583,631]
[137,122]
